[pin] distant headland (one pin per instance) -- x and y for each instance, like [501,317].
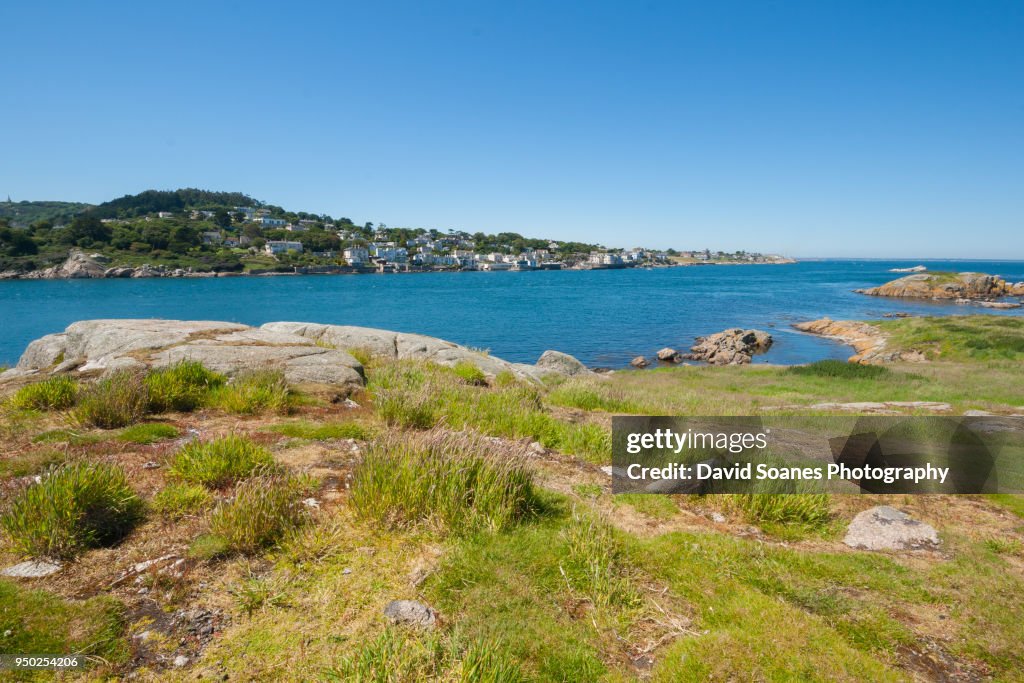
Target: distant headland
[198,233]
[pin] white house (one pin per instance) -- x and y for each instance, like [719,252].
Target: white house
[275,247]
[247,211]
[268,222]
[356,256]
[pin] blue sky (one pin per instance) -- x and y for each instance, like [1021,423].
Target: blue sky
[807,128]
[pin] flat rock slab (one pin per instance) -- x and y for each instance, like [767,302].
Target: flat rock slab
[886,528]
[33,569]
[410,613]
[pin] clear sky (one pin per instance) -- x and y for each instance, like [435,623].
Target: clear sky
[818,128]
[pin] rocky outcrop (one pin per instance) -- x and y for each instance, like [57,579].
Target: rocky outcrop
[730,347]
[307,353]
[886,528]
[869,342]
[914,269]
[669,355]
[78,265]
[944,286]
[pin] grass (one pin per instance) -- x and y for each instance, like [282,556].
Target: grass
[323,431]
[453,482]
[175,501]
[587,394]
[181,387]
[78,506]
[72,437]
[838,369]
[255,392]
[38,622]
[220,462]
[117,400]
[959,338]
[793,511]
[262,511]
[30,462]
[469,373]
[594,562]
[148,432]
[54,393]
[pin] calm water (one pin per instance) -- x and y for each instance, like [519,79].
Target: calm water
[604,318]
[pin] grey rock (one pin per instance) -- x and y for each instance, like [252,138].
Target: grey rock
[669,355]
[730,347]
[717,518]
[562,363]
[410,613]
[32,569]
[180,661]
[639,362]
[886,528]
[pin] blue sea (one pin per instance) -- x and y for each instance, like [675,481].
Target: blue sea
[603,317]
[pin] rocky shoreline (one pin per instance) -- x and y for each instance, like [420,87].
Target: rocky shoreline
[982,288]
[867,340]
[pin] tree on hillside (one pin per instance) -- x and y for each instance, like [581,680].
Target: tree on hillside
[222,218]
[86,229]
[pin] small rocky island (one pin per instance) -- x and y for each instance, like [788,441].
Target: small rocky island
[968,287]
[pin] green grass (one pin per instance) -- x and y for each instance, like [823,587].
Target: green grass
[959,338]
[653,505]
[220,462]
[255,392]
[587,394]
[594,562]
[1012,502]
[38,622]
[29,463]
[54,393]
[73,437]
[469,373]
[789,511]
[262,511]
[179,500]
[117,400]
[400,656]
[452,482]
[323,431]
[181,387]
[79,506]
[148,432]
[838,369]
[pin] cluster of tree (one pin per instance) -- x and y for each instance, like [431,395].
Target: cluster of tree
[24,213]
[174,201]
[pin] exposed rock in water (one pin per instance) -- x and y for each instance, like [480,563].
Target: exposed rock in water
[410,613]
[944,286]
[730,347]
[306,353]
[78,266]
[886,528]
[639,362]
[562,363]
[669,355]
[867,340]
[914,269]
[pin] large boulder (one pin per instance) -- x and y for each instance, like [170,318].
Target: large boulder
[78,265]
[669,355]
[103,345]
[561,363]
[730,347]
[943,286]
[886,528]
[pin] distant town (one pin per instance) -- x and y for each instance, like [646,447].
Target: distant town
[193,232]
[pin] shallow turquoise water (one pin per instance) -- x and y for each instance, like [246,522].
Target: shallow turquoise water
[605,318]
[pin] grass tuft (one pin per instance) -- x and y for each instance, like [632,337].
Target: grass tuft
[117,400]
[594,563]
[262,510]
[220,462]
[54,393]
[181,500]
[324,431]
[254,393]
[839,369]
[181,387]
[807,511]
[78,506]
[470,373]
[455,482]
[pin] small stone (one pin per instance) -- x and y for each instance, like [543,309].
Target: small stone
[151,465]
[718,518]
[538,448]
[312,503]
[346,571]
[410,613]
[180,661]
[32,569]
[607,469]
[886,528]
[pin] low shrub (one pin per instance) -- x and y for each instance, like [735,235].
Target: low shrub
[78,506]
[323,431]
[840,369]
[54,393]
[470,373]
[148,432]
[262,510]
[220,462]
[116,400]
[180,500]
[182,387]
[255,392]
[456,482]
